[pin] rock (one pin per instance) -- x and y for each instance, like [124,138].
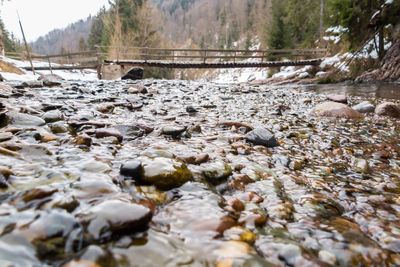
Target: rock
[5,136]
[135,73]
[191,109]
[263,137]
[164,173]
[114,217]
[59,127]
[107,132]
[1,78]
[5,90]
[364,107]
[336,110]
[132,169]
[337,98]
[22,119]
[83,139]
[327,257]
[173,130]
[32,84]
[361,166]
[388,109]
[136,89]
[3,182]
[216,173]
[106,108]
[51,80]
[53,116]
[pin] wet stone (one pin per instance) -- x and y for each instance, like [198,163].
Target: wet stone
[173,130]
[263,137]
[216,173]
[51,80]
[132,169]
[114,217]
[164,173]
[24,120]
[53,116]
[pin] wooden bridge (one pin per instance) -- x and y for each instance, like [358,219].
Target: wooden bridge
[126,57]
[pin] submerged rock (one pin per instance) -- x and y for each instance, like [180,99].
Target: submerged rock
[164,173]
[115,217]
[388,109]
[53,116]
[262,137]
[336,110]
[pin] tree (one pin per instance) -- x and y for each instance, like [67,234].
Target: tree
[278,33]
[82,44]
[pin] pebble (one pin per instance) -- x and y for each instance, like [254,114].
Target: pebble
[336,110]
[132,169]
[364,107]
[173,130]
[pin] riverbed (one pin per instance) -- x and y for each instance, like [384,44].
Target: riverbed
[163,173]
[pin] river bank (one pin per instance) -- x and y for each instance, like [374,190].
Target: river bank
[167,173]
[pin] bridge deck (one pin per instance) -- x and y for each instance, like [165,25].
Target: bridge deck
[213,65]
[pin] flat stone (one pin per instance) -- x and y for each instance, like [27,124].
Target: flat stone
[337,98]
[216,173]
[336,110]
[51,80]
[364,107]
[388,109]
[262,137]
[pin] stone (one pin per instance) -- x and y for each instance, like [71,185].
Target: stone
[1,78]
[32,84]
[216,173]
[24,120]
[164,173]
[361,166]
[135,73]
[132,168]
[173,130]
[107,132]
[59,127]
[388,109]
[53,116]
[115,217]
[5,90]
[364,107]
[262,137]
[136,89]
[51,80]
[83,139]
[336,110]
[337,98]
[191,109]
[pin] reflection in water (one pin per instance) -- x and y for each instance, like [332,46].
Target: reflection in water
[381,90]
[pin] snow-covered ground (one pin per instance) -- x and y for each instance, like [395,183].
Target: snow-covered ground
[70,75]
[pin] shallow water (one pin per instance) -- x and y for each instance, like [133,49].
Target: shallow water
[201,195]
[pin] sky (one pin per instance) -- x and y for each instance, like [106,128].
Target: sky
[41,16]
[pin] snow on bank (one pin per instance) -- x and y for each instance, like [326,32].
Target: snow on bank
[69,75]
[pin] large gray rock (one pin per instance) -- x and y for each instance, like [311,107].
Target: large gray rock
[262,137]
[336,110]
[364,107]
[388,109]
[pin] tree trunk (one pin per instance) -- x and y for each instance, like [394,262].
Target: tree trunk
[390,68]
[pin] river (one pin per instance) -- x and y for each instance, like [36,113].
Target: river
[167,173]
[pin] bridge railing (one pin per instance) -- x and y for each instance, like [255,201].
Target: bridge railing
[116,53]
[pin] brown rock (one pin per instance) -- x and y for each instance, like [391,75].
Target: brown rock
[337,98]
[388,109]
[336,110]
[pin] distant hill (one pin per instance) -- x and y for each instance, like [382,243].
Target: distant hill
[72,38]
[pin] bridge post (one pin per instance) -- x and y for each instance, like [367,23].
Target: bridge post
[205,57]
[48,60]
